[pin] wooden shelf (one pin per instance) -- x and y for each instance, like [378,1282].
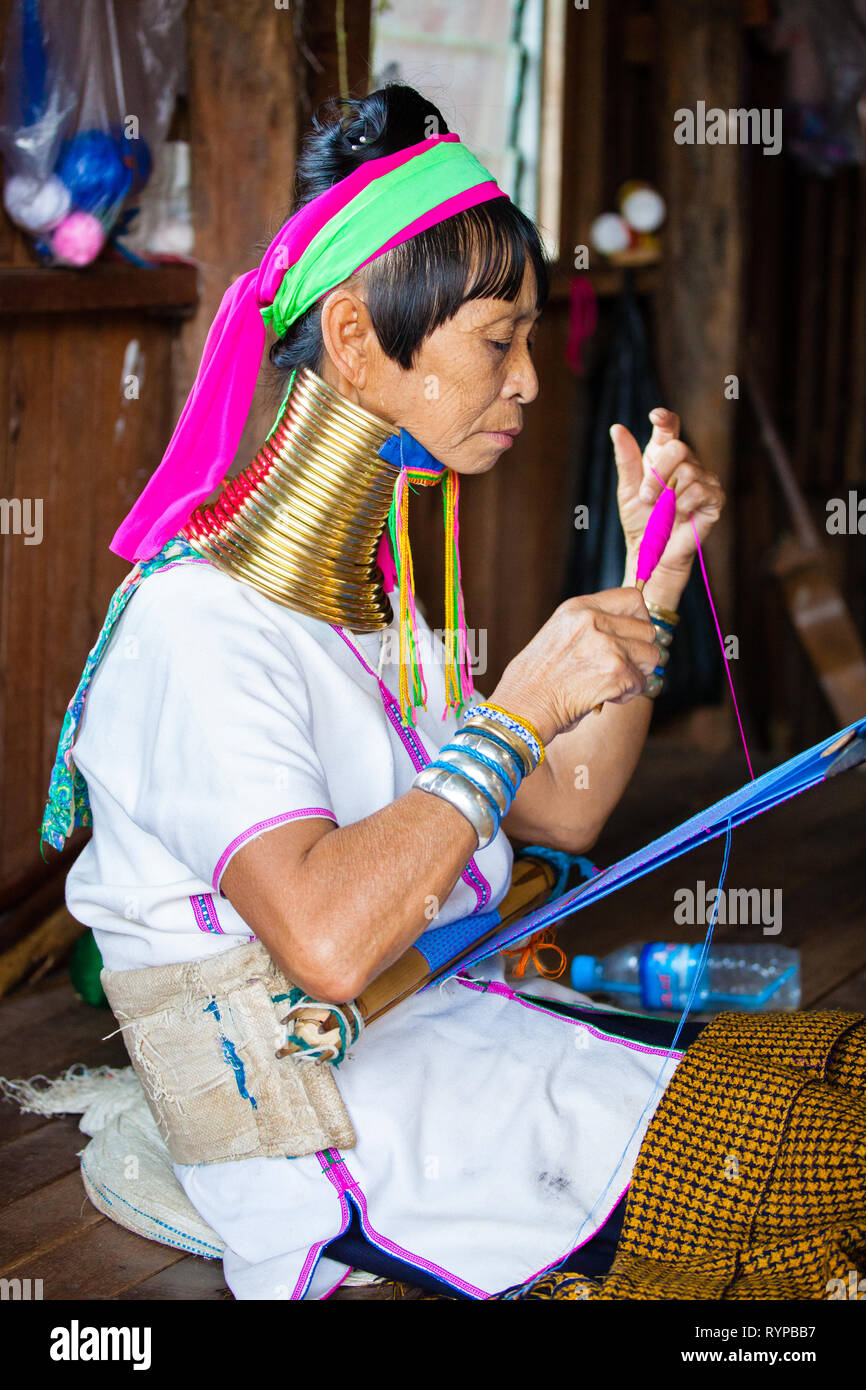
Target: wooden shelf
[605,279]
[169,288]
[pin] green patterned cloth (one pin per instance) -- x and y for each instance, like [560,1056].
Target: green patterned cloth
[68,803]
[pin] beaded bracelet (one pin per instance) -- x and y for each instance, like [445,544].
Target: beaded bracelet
[521,727]
[517,746]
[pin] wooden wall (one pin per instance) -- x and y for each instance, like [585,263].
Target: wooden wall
[805,317]
[73,440]
[67,340]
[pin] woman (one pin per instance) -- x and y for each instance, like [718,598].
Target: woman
[255,783]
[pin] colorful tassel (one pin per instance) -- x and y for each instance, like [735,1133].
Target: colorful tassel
[398,527]
[459,689]
[412,690]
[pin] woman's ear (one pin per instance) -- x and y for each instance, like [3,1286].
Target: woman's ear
[348,336]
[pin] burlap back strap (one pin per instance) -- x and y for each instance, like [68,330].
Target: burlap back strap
[203,1038]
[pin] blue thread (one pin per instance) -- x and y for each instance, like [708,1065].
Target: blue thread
[230,1055]
[500,742]
[237,1067]
[670,1051]
[297,996]
[561,861]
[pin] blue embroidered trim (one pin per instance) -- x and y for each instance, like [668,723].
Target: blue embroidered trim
[190,1242]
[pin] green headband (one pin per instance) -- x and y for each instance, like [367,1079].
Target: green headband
[440,180]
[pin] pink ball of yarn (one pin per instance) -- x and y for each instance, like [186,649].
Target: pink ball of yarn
[79,238]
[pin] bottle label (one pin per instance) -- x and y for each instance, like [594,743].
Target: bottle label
[667,970]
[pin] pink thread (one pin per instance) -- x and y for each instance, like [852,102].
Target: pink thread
[494,987]
[385,561]
[722,646]
[405,578]
[715,616]
[657,533]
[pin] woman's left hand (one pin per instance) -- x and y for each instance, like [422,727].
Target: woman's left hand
[699,494]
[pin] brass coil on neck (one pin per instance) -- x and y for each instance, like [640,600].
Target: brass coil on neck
[302,523]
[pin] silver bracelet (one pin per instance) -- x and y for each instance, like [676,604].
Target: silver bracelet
[464,796]
[495,749]
[484,778]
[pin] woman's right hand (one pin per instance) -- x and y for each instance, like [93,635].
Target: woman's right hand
[594,649]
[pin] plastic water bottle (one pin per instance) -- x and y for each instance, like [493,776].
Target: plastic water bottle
[658,976]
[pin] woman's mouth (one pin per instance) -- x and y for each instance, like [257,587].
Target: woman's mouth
[500,438]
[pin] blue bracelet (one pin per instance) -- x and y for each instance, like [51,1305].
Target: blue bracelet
[510,787]
[493,738]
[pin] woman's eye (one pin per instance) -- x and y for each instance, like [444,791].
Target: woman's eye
[504,347]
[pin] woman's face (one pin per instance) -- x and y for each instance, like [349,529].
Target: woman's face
[471,378]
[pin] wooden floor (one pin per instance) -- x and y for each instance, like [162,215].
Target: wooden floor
[813,848]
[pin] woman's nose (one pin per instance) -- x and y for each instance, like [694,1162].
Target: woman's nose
[524,378]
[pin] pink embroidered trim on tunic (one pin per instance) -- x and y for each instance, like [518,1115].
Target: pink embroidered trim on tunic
[338,1174]
[419,756]
[258,829]
[494,987]
[205,913]
[315,1251]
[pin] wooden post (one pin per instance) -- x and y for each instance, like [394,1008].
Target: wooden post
[242,68]
[335,47]
[698,305]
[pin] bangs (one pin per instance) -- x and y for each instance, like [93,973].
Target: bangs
[411,290]
[481,253]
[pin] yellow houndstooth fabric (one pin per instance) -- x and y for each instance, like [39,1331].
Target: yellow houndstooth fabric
[751,1179]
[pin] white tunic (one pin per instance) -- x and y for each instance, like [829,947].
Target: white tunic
[488,1128]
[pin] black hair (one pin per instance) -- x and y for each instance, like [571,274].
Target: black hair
[415,287]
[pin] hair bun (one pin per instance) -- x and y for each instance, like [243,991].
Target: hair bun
[349,131]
